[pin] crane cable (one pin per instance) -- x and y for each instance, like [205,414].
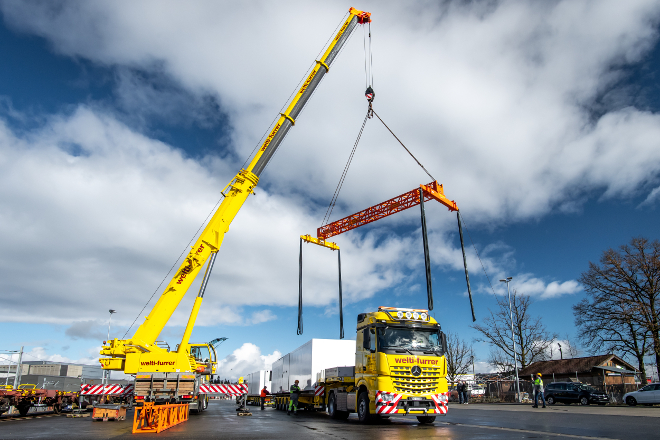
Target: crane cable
[333,201]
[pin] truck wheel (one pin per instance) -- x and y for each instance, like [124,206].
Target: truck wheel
[332,409]
[363,407]
[426,419]
[57,408]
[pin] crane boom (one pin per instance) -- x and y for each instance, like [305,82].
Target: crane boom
[129,354]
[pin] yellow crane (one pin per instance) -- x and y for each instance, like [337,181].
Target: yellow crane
[142,353]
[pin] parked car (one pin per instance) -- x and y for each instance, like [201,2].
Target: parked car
[647,395]
[569,392]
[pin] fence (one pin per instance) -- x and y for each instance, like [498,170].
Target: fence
[505,391]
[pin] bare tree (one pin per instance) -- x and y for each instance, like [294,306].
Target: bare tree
[458,356]
[530,334]
[622,308]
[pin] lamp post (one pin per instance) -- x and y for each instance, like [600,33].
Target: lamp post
[106,373]
[513,337]
[561,353]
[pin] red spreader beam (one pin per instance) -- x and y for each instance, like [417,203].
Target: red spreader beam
[432,191]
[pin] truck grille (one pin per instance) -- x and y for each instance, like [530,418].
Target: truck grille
[405,382]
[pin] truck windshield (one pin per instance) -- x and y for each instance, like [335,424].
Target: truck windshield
[409,339]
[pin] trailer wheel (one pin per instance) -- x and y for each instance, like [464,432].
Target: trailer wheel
[23,409]
[57,408]
[426,419]
[332,409]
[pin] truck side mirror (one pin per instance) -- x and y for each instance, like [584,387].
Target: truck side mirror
[443,338]
[366,339]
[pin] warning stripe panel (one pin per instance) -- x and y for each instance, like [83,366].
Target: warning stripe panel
[231,390]
[105,390]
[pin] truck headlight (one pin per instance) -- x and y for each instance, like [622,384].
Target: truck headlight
[424,316]
[416,315]
[399,314]
[386,397]
[408,315]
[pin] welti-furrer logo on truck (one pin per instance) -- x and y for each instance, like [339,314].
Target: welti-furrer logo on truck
[415,360]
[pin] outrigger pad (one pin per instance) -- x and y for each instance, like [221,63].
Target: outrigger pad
[244,413]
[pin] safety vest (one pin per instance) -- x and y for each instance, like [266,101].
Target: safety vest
[264,392]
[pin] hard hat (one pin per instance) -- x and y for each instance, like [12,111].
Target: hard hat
[539,374]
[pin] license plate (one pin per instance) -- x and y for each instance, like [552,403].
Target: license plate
[417,398]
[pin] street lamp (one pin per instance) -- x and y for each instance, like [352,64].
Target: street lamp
[513,338]
[106,373]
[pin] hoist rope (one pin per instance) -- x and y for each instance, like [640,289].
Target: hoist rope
[328,212]
[406,148]
[476,252]
[173,266]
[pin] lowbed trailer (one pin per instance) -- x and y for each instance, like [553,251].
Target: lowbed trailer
[397,367]
[25,398]
[307,363]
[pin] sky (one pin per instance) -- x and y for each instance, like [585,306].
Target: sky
[121,122]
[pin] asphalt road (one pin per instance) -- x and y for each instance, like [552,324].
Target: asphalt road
[490,421]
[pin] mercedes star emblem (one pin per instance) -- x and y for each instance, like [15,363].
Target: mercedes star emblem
[416,371]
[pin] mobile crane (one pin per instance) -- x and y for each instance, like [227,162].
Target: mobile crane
[174,376]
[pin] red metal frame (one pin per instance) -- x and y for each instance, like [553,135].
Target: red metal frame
[432,191]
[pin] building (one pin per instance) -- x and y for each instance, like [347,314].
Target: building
[607,369]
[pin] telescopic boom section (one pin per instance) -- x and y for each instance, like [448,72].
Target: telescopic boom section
[236,192]
[432,191]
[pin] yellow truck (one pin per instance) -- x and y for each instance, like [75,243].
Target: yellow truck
[399,369]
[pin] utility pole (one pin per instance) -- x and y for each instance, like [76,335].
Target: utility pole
[513,338]
[17,377]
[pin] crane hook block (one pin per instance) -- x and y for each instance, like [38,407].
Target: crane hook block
[370,94]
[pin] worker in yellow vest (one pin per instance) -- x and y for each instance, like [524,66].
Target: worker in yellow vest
[538,391]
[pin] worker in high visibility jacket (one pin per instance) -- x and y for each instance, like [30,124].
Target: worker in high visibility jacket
[264,393]
[538,391]
[293,400]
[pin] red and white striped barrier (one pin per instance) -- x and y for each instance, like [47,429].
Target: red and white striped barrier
[319,390]
[230,390]
[105,390]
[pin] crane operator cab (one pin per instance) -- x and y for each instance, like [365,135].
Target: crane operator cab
[205,358]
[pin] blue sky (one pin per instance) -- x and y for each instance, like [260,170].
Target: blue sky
[118,134]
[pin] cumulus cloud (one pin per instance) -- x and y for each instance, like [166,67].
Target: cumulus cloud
[244,360]
[498,100]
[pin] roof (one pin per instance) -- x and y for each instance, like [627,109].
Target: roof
[570,366]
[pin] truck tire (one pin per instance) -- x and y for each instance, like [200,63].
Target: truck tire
[426,419]
[332,409]
[57,408]
[23,409]
[363,408]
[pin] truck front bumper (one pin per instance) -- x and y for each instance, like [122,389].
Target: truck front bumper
[400,404]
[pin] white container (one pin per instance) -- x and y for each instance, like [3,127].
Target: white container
[308,362]
[257,380]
